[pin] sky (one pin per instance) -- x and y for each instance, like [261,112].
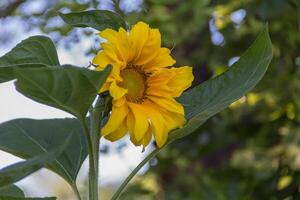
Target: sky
[115,166]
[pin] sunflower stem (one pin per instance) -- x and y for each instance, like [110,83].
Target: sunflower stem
[91,159]
[76,191]
[96,116]
[134,172]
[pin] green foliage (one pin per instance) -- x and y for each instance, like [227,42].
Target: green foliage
[20,170]
[11,191]
[214,95]
[27,138]
[36,51]
[97,19]
[249,151]
[68,88]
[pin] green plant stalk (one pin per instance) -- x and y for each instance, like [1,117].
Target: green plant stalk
[95,126]
[134,172]
[96,115]
[92,171]
[93,180]
[75,189]
[137,169]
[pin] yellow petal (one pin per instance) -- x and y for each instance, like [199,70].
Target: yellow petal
[130,122]
[157,123]
[119,102]
[115,74]
[112,53]
[163,59]
[105,87]
[159,77]
[116,118]
[118,134]
[151,48]
[170,82]
[101,60]
[141,121]
[119,40]
[168,104]
[138,37]
[173,120]
[116,91]
[147,137]
[181,80]
[161,90]
[110,35]
[160,132]
[157,83]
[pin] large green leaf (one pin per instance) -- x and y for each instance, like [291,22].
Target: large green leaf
[27,138]
[214,95]
[36,51]
[98,19]
[20,170]
[72,89]
[11,191]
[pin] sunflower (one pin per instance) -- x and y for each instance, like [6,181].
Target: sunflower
[143,85]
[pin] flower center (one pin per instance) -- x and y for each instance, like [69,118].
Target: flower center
[134,79]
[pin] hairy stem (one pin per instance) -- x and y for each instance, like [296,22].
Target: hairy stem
[93,181]
[96,115]
[92,171]
[75,189]
[95,126]
[134,172]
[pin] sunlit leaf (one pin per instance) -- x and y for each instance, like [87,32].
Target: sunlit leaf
[36,51]
[98,19]
[27,138]
[20,170]
[69,88]
[214,95]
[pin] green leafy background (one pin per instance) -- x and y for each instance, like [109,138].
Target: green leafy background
[249,151]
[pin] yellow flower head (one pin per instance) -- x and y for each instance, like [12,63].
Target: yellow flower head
[142,84]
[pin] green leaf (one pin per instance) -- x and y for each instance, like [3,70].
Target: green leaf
[36,51]
[20,170]
[27,138]
[23,198]
[214,95]
[11,191]
[97,19]
[72,89]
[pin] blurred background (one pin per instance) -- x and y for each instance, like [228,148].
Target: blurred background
[247,152]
